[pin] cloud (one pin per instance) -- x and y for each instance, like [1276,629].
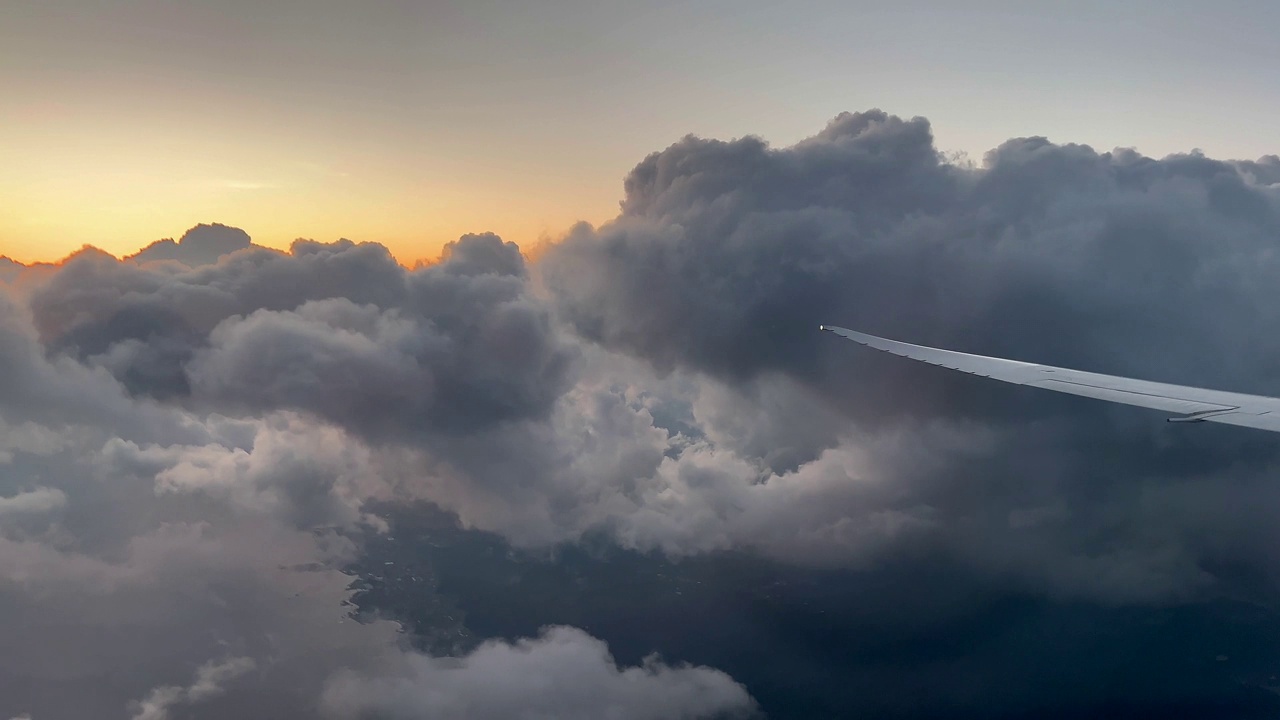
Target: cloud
[690,405]
[505,680]
[9,269]
[190,445]
[171,534]
[309,476]
[201,245]
[334,329]
[208,683]
[143,323]
[727,255]
[154,565]
[57,391]
[40,500]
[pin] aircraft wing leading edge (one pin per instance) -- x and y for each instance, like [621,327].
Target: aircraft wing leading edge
[1193,404]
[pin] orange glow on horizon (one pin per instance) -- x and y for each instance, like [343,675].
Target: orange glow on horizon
[120,184]
[53,245]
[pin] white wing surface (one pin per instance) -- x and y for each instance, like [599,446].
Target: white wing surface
[1194,404]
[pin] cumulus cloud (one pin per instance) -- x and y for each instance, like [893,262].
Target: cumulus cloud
[505,680]
[727,255]
[188,443]
[337,329]
[307,475]
[186,449]
[201,245]
[156,558]
[1049,250]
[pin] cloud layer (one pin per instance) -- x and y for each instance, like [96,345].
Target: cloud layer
[186,448]
[191,434]
[727,255]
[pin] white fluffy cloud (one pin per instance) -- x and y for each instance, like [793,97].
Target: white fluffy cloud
[509,680]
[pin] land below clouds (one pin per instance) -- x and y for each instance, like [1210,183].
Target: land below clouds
[813,643]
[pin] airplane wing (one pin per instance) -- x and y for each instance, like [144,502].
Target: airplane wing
[1194,404]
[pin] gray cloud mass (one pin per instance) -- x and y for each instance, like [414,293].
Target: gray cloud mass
[191,434]
[201,245]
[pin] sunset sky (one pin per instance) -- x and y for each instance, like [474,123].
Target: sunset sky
[410,123]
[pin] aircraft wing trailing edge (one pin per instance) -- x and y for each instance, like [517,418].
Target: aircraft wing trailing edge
[1192,404]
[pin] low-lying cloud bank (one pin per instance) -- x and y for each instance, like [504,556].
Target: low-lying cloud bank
[188,434]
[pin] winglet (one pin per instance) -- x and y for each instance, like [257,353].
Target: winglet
[1202,416]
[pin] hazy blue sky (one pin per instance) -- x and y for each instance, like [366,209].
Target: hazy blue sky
[410,123]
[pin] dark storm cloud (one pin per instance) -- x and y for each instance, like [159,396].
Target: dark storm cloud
[727,256]
[213,428]
[466,347]
[201,245]
[723,246]
[768,434]
[94,303]
[185,447]
[58,391]
[337,329]
[1264,171]
[167,580]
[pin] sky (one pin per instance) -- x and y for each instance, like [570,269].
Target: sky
[412,123]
